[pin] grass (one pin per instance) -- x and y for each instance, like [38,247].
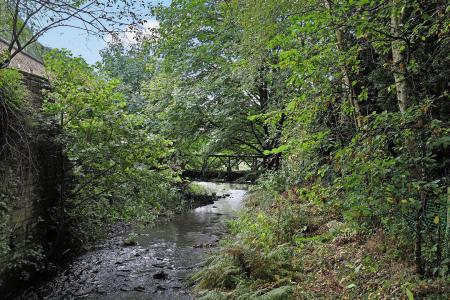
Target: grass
[196,189]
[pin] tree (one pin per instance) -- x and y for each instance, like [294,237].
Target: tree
[121,169]
[204,100]
[24,21]
[223,88]
[365,139]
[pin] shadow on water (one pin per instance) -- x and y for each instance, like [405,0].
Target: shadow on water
[156,268]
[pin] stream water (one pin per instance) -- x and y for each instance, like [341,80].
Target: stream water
[158,266]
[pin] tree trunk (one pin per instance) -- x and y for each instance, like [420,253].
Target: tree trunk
[346,73]
[398,47]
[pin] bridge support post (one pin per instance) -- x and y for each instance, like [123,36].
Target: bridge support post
[229,168]
[205,166]
[254,164]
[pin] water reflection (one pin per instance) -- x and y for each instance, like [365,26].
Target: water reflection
[202,224]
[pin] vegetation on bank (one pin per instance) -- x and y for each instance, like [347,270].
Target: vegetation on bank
[353,96]
[293,245]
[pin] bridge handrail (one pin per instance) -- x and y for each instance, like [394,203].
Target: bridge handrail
[233,155]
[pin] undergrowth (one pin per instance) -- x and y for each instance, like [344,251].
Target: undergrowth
[284,247]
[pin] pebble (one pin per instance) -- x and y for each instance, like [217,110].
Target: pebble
[139,289]
[159,265]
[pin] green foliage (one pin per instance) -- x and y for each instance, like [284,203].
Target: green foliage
[119,165]
[131,239]
[351,97]
[130,64]
[322,258]
[28,262]
[361,109]
[13,93]
[197,189]
[209,92]
[221,272]
[6,17]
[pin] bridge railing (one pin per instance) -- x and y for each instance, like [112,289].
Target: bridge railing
[228,167]
[233,162]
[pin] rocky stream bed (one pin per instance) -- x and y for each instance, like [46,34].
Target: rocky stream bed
[157,266]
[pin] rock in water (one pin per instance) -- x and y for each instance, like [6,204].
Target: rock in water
[139,289]
[160,275]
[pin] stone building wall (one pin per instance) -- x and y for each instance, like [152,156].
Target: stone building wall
[24,61]
[34,192]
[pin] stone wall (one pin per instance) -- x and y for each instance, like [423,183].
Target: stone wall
[33,194]
[24,61]
[23,218]
[35,84]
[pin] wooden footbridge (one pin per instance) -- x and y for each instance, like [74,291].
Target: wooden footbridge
[228,168]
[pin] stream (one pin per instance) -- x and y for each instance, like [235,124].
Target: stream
[158,266]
